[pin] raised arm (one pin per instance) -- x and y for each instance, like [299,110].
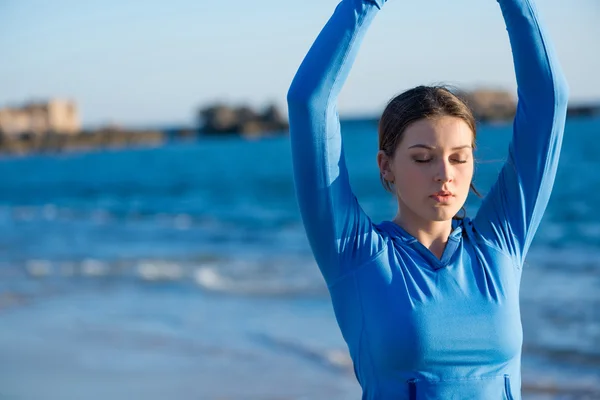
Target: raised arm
[340,234]
[511,213]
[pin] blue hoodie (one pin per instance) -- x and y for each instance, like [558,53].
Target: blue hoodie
[418,326]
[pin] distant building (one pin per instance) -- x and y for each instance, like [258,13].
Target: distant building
[55,116]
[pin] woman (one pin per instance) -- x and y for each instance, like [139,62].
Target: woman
[428,302]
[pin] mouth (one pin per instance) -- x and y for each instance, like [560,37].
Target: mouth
[442,196]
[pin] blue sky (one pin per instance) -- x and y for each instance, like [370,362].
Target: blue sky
[156,62]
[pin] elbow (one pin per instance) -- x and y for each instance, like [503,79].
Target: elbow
[561,92]
[301,97]
[551,95]
[296,95]
[300,94]
[306,91]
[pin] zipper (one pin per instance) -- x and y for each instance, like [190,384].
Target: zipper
[507,387]
[412,389]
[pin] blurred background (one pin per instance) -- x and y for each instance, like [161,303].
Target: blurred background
[150,241]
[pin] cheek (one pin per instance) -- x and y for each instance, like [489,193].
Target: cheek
[466,172]
[464,177]
[409,176]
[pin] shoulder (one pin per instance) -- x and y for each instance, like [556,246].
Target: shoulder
[481,245]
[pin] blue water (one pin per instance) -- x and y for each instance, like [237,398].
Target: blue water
[183,271]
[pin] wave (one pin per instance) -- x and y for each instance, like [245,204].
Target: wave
[570,255]
[251,277]
[210,279]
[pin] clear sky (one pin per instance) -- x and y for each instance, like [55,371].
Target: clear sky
[157,62]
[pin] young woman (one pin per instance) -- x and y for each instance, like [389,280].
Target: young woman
[428,303]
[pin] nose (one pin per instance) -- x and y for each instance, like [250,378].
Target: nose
[444,172]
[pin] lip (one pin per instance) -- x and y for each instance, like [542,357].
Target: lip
[442,197]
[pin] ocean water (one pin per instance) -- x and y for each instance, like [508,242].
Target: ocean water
[183,272]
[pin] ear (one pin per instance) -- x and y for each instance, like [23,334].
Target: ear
[385,166]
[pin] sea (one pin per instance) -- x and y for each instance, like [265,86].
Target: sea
[183,271]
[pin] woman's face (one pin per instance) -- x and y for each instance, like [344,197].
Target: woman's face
[432,168]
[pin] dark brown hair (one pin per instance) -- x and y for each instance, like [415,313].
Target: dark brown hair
[416,104]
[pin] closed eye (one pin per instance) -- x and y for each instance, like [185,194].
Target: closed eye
[422,161]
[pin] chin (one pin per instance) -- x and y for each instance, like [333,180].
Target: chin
[442,214]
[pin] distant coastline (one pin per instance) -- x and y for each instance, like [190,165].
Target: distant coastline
[575,111]
[584,110]
[33,128]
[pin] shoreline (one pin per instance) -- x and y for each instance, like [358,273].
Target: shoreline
[164,350]
[123,138]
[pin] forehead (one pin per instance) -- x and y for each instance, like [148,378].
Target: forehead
[440,133]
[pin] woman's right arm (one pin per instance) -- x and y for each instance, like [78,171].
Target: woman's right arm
[340,234]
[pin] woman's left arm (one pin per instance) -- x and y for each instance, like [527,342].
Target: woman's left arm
[511,213]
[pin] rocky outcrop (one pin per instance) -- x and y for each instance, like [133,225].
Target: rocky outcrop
[104,138]
[222,119]
[490,105]
[584,110]
[497,105]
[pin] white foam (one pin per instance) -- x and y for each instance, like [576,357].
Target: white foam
[339,358]
[209,279]
[93,267]
[258,278]
[155,271]
[38,268]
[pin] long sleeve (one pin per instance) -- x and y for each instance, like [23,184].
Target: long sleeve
[512,211]
[340,234]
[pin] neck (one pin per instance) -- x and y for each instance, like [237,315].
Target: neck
[431,234]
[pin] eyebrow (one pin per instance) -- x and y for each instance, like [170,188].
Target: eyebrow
[424,146]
